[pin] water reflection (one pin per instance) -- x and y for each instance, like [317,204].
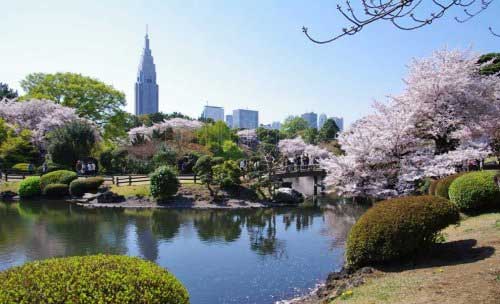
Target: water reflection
[232,242]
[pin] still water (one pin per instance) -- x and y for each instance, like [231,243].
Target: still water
[237,256]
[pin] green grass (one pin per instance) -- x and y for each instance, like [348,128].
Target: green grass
[134,190]
[9,186]
[497,224]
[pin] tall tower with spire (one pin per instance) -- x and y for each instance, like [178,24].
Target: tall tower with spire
[146,88]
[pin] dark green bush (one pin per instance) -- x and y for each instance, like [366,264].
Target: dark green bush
[91,279]
[164,183]
[227,174]
[58,177]
[51,167]
[475,191]
[398,228]
[79,187]
[443,185]
[56,190]
[30,187]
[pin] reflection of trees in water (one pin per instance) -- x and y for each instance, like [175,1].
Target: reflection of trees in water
[261,228]
[146,239]
[339,219]
[166,224]
[302,218]
[63,230]
[218,225]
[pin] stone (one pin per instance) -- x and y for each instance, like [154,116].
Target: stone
[109,197]
[7,195]
[288,196]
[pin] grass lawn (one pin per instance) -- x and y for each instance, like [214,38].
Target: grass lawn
[466,269]
[134,190]
[9,186]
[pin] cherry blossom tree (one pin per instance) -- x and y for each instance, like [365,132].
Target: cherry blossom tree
[38,116]
[444,118]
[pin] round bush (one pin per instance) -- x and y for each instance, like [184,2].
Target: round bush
[475,191]
[398,228]
[56,190]
[30,187]
[91,279]
[58,177]
[164,183]
[443,185]
[79,187]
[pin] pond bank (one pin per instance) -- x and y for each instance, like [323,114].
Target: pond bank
[464,269]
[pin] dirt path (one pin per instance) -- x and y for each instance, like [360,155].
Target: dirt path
[464,270]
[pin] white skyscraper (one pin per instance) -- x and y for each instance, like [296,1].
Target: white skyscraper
[321,120]
[214,113]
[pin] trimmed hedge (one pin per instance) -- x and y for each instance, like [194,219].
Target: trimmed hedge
[79,187]
[475,191]
[58,177]
[56,190]
[30,187]
[91,279]
[22,167]
[164,183]
[443,185]
[397,228]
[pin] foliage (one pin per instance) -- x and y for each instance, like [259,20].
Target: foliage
[153,118]
[164,156]
[443,118]
[296,146]
[294,126]
[230,150]
[311,136]
[50,167]
[203,169]
[214,135]
[39,116]
[30,187]
[432,187]
[475,191]
[6,92]
[398,228]
[91,279]
[443,185]
[16,147]
[56,190]
[227,175]
[72,142]
[21,167]
[79,187]
[328,131]
[57,177]
[164,183]
[490,64]
[91,98]
[268,136]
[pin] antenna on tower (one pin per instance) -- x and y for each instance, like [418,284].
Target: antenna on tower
[147,30]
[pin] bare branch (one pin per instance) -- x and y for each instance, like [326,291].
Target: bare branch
[493,33]
[403,14]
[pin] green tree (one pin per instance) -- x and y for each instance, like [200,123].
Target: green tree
[230,150]
[328,131]
[71,142]
[164,183]
[164,156]
[15,147]
[214,135]
[268,136]
[6,92]
[310,136]
[293,126]
[204,170]
[90,97]
[493,67]
[227,174]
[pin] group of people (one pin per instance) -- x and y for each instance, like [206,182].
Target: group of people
[300,161]
[86,167]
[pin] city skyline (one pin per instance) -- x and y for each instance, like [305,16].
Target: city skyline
[201,54]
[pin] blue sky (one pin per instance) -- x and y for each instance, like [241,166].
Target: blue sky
[235,54]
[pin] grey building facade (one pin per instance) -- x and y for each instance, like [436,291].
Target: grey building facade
[339,121]
[229,120]
[146,88]
[321,120]
[311,118]
[212,112]
[245,119]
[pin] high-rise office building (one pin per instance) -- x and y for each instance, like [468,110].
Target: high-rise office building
[276,125]
[245,119]
[311,118]
[321,120]
[214,113]
[229,120]
[146,89]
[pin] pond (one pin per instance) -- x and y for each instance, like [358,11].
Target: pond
[224,256]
